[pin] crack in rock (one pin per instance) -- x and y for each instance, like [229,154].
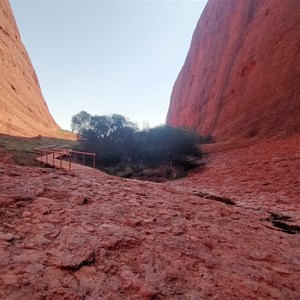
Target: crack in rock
[215,198]
[89,261]
[278,221]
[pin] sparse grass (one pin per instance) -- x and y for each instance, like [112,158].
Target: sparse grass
[161,173]
[66,135]
[22,150]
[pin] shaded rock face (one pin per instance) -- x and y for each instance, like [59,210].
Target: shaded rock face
[23,110]
[241,76]
[88,235]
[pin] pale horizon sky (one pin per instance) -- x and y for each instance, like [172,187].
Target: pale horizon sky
[107,57]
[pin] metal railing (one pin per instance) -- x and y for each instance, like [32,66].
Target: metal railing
[63,158]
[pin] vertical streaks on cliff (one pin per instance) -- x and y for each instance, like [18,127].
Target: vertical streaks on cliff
[23,110]
[230,61]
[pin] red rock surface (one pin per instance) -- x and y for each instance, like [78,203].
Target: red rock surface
[261,176]
[241,76]
[227,231]
[23,110]
[88,235]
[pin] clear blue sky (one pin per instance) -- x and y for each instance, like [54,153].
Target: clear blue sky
[107,57]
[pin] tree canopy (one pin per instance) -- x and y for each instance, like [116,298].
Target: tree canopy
[116,140]
[80,122]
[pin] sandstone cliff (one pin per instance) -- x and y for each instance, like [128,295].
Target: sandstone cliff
[23,110]
[241,76]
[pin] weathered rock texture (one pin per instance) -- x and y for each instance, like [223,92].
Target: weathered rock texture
[228,231]
[232,233]
[23,110]
[241,75]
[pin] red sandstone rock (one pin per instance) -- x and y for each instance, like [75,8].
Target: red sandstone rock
[23,110]
[241,76]
[143,240]
[178,240]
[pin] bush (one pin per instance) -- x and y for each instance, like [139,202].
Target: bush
[165,144]
[123,150]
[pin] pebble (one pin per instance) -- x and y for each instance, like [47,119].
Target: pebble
[26,214]
[6,236]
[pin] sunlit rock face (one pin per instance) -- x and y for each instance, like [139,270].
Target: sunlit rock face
[23,110]
[226,234]
[241,76]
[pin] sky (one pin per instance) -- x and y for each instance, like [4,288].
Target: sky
[107,57]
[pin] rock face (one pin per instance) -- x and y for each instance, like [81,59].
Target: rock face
[23,110]
[241,76]
[88,235]
[230,230]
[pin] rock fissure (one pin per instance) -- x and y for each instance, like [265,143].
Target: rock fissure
[89,261]
[4,31]
[215,198]
[277,220]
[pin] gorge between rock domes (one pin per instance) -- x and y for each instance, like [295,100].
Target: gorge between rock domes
[229,230]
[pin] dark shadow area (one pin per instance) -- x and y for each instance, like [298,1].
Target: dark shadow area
[156,154]
[279,221]
[216,198]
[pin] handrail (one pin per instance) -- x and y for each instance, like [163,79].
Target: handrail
[60,147]
[45,147]
[56,154]
[87,153]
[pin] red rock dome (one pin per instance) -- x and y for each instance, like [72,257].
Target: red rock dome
[241,77]
[23,110]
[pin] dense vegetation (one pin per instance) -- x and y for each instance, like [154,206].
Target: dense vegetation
[157,153]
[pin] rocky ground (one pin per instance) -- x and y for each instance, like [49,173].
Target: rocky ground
[262,176]
[229,231]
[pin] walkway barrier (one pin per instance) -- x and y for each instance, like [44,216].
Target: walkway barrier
[65,158]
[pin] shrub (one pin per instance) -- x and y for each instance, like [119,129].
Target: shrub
[165,144]
[121,149]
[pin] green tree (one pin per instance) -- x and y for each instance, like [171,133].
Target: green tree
[80,122]
[110,127]
[120,146]
[109,136]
